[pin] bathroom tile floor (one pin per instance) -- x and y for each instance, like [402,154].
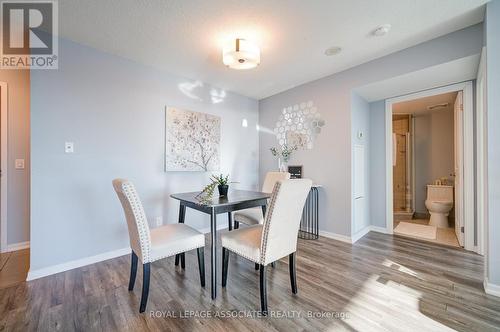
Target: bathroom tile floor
[444,236]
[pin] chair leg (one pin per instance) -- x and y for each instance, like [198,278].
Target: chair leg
[273,265]
[225,264]
[293,272]
[257,266]
[263,290]
[145,286]
[183,261]
[133,271]
[177,259]
[236,224]
[201,265]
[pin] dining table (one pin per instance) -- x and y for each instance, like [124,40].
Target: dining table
[235,200]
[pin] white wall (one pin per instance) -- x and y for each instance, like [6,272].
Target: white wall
[18,82]
[113,110]
[329,163]
[434,151]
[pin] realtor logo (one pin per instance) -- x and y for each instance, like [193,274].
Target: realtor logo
[29,35]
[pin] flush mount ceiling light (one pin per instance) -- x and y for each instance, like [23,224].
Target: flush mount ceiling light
[333,50]
[381,30]
[241,54]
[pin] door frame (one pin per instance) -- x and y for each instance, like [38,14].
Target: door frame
[481,172]
[4,165]
[468,155]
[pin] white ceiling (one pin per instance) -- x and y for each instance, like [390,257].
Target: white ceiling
[419,106]
[185,37]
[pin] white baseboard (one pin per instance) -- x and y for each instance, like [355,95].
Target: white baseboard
[360,234]
[379,229]
[490,288]
[336,236]
[355,237]
[17,246]
[46,271]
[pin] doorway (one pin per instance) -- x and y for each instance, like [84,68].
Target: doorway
[429,165]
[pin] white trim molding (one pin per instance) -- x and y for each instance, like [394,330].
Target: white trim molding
[490,288]
[468,167]
[4,165]
[335,236]
[353,239]
[18,246]
[47,271]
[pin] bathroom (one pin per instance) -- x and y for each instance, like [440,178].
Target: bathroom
[425,163]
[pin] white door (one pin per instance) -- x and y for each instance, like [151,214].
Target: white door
[459,174]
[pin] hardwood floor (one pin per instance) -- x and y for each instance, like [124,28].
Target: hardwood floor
[381,283]
[14,267]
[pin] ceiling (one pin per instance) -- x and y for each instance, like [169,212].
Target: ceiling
[419,106]
[185,37]
[460,70]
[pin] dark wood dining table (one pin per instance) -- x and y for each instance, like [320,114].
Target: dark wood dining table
[234,201]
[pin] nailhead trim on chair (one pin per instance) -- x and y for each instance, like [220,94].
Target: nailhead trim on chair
[141,221]
[267,224]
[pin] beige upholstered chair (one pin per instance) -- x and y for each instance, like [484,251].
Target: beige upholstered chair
[157,243]
[255,216]
[275,239]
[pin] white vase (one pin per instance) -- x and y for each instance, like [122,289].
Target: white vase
[282,166]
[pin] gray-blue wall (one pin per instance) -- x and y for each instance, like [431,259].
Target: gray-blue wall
[113,110]
[329,163]
[377,164]
[492,33]
[360,122]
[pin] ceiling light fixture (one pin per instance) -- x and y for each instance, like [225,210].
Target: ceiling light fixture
[381,30]
[333,50]
[241,54]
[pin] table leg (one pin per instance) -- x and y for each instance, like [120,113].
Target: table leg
[213,260]
[230,221]
[182,215]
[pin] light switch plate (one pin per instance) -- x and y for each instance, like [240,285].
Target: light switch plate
[19,163]
[159,221]
[69,147]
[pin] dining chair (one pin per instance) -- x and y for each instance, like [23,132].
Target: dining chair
[255,216]
[275,238]
[155,244]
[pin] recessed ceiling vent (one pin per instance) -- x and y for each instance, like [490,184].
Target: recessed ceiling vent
[437,106]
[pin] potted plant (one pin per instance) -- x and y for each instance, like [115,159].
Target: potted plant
[222,183]
[219,181]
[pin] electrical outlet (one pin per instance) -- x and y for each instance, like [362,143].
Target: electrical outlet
[159,221]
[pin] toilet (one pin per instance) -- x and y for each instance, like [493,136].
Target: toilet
[439,202]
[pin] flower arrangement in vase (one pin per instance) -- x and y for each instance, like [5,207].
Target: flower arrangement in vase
[284,152]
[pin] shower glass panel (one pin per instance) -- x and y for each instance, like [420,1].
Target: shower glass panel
[403,165]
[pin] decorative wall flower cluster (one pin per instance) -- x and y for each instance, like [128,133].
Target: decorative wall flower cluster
[298,125]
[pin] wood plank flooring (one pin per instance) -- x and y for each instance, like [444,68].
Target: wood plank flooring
[381,283]
[14,267]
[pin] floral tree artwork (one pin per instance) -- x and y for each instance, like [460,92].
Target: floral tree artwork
[192,141]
